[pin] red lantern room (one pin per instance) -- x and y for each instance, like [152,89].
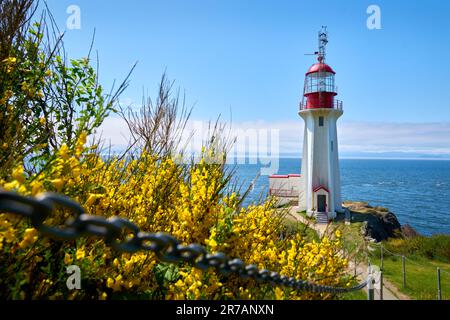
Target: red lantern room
[320,88]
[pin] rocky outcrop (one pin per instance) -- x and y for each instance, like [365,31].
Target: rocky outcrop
[378,223]
[409,232]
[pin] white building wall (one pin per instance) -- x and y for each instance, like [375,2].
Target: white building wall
[285,188]
[278,183]
[320,164]
[310,138]
[303,180]
[337,173]
[294,183]
[331,128]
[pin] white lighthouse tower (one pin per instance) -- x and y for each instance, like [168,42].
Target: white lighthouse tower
[320,187]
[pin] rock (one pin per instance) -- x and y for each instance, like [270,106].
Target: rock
[378,222]
[409,232]
[391,224]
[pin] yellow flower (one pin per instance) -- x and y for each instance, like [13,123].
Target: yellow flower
[338,234]
[30,236]
[18,174]
[36,187]
[279,294]
[64,152]
[8,94]
[80,254]
[79,147]
[58,184]
[92,198]
[68,258]
[110,283]
[212,243]
[10,60]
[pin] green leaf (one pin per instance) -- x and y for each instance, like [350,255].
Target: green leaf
[165,272]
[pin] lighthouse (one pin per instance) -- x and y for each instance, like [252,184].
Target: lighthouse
[320,186]
[317,189]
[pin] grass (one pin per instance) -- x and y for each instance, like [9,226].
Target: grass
[421,275]
[354,295]
[304,215]
[352,239]
[424,255]
[436,247]
[299,227]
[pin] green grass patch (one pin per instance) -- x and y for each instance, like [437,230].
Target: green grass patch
[436,247]
[354,295]
[304,215]
[294,226]
[352,239]
[424,255]
[421,280]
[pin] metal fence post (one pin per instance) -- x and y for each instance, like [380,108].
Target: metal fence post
[404,271]
[439,283]
[382,255]
[370,288]
[355,264]
[381,285]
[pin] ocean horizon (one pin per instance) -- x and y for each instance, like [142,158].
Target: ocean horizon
[417,191]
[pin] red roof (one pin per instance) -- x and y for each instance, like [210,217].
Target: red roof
[279,176]
[284,176]
[320,188]
[320,67]
[294,175]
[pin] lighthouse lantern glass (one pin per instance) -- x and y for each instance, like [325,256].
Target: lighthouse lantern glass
[319,82]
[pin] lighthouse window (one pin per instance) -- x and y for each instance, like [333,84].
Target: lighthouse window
[320,121]
[320,82]
[331,146]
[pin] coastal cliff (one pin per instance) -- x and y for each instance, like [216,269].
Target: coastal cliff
[378,223]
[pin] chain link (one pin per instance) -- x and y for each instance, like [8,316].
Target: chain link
[166,247]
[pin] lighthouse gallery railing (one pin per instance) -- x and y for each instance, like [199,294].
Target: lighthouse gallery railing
[337,105]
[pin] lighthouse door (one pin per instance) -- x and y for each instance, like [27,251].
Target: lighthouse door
[321,202]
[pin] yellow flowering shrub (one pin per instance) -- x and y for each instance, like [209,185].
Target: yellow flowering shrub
[192,203]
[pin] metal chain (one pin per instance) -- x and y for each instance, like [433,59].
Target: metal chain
[392,253]
[166,247]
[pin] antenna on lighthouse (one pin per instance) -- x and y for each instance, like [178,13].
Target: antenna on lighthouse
[323,41]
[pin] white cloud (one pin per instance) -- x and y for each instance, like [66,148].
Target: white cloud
[421,139]
[414,138]
[114,130]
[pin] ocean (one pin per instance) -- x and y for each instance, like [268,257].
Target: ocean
[417,191]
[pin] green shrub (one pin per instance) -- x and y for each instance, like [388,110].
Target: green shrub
[436,247]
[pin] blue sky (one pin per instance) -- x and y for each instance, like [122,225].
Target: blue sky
[246,59]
